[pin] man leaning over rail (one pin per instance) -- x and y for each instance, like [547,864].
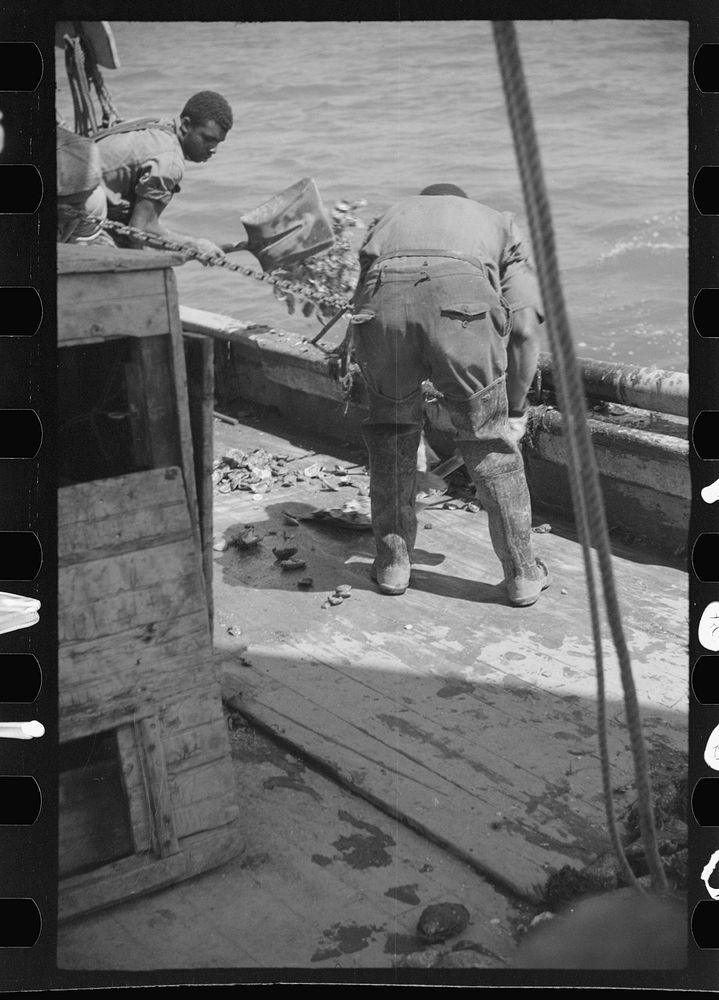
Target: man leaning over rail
[447,292]
[143,163]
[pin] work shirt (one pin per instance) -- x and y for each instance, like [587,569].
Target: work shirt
[81,202]
[79,169]
[435,224]
[145,163]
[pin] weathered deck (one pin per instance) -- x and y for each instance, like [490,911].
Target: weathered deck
[472,722]
[324,881]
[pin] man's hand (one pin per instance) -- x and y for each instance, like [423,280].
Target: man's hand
[146,216]
[209,248]
[518,427]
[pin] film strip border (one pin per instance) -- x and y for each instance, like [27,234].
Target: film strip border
[28,630]
[703,806]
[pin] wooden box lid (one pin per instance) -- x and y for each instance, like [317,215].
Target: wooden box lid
[74,258]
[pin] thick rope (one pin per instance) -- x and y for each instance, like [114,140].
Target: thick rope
[110,115]
[85,120]
[584,477]
[82,71]
[578,501]
[583,525]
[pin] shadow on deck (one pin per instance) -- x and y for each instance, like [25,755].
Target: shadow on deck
[471,721]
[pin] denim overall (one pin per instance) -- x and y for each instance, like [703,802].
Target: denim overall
[434,314]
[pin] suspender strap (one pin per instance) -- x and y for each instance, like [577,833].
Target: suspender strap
[135,125]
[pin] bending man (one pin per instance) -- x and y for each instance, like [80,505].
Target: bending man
[447,292]
[143,163]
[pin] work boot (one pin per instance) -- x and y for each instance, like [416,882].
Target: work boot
[523,592]
[392,452]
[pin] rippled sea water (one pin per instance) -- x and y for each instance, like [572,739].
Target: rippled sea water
[377,110]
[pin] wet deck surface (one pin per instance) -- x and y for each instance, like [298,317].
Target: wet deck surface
[466,728]
[323,881]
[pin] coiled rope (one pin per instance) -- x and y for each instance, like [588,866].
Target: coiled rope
[583,474]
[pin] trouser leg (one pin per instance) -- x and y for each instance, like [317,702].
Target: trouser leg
[392,452]
[497,470]
[391,363]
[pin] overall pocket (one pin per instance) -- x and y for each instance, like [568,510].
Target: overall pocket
[466,312]
[480,312]
[490,309]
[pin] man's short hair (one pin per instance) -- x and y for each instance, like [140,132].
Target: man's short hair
[445,189]
[207,105]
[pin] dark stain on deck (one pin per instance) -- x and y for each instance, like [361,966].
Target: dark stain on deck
[294,783]
[454,687]
[520,686]
[362,851]
[349,938]
[427,739]
[253,862]
[404,894]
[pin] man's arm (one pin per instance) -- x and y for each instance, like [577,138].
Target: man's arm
[521,291]
[522,356]
[146,216]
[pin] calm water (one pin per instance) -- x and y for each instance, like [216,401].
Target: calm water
[377,110]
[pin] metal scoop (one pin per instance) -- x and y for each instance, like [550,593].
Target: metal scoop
[287,228]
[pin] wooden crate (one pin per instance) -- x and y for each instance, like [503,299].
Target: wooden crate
[136,675]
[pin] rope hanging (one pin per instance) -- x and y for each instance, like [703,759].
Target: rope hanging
[85,119]
[82,71]
[110,115]
[583,474]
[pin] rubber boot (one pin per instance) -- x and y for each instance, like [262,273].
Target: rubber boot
[393,472]
[505,497]
[495,465]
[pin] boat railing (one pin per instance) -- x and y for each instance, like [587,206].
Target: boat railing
[636,417]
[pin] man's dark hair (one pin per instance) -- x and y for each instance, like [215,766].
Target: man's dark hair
[207,105]
[444,189]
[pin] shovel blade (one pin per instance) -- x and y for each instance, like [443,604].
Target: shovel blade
[288,227]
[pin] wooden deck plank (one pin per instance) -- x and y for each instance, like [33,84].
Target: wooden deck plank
[657,646]
[342,847]
[461,713]
[477,717]
[365,725]
[447,678]
[412,767]
[562,655]
[324,881]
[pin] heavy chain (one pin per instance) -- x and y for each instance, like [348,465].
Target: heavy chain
[327,303]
